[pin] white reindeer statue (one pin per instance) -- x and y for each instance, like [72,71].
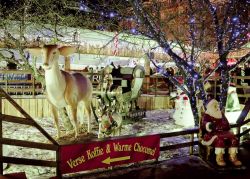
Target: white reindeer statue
[64,88]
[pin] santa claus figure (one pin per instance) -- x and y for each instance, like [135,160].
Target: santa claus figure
[216,132]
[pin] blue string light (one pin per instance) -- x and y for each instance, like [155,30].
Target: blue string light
[111,14]
[133,31]
[235,19]
[192,20]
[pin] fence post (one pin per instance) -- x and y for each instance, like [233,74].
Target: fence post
[191,148]
[33,86]
[155,85]
[58,162]
[6,85]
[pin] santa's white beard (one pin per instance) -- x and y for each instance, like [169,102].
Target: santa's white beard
[215,114]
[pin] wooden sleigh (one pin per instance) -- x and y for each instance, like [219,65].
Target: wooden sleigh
[207,152]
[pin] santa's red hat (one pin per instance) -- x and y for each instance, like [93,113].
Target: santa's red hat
[213,109]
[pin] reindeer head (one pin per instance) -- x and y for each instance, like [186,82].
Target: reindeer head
[51,53]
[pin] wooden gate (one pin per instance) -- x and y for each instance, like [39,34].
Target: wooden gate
[27,120]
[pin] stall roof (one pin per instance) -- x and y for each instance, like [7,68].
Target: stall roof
[89,41]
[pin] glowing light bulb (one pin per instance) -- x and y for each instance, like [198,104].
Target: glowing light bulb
[235,19]
[111,14]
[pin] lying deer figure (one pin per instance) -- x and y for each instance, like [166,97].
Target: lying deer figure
[110,124]
[64,88]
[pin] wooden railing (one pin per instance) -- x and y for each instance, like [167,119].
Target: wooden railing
[157,85]
[18,82]
[22,82]
[243,89]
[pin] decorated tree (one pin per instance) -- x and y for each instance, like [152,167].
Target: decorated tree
[227,31]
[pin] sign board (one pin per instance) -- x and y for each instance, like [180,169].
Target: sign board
[103,154]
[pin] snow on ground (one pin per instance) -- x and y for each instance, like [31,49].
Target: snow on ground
[156,121]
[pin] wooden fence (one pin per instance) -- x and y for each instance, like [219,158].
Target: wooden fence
[22,82]
[39,107]
[242,88]
[18,82]
[27,120]
[155,92]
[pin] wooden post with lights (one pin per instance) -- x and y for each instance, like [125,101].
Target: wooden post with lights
[33,86]
[67,63]
[147,74]
[191,148]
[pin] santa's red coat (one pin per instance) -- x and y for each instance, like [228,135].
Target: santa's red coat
[220,135]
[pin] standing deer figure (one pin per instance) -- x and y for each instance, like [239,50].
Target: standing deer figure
[64,88]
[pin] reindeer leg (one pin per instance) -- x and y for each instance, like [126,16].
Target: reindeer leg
[88,110]
[74,113]
[100,135]
[55,115]
[66,120]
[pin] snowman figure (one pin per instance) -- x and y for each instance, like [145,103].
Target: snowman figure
[233,103]
[183,114]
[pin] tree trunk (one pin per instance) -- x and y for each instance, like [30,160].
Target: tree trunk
[194,108]
[224,87]
[192,98]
